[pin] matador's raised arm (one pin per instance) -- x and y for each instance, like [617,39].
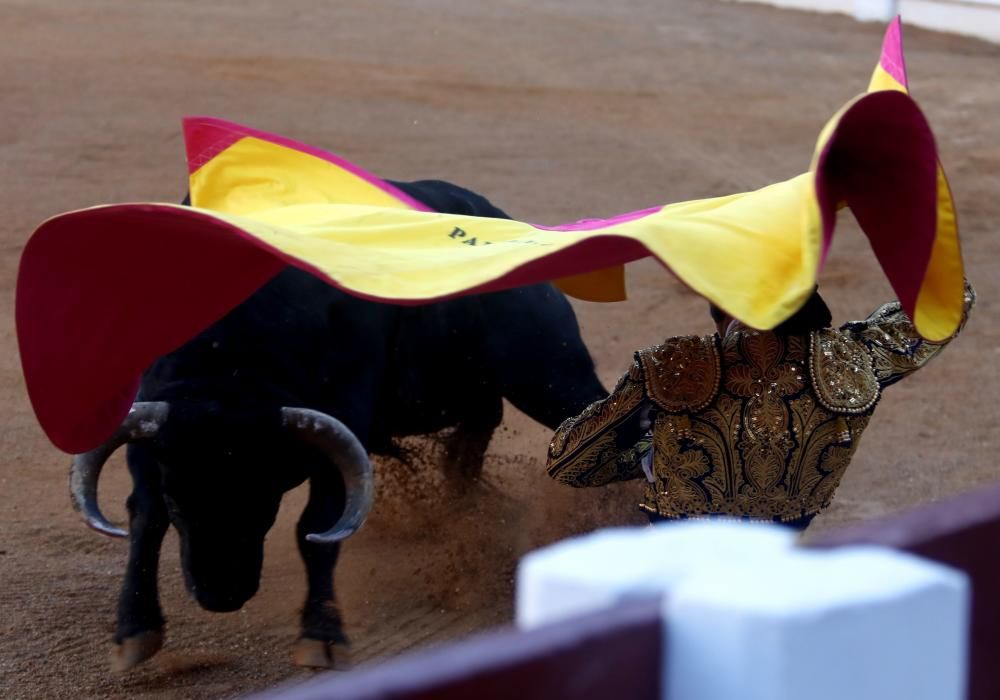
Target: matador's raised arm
[896,348]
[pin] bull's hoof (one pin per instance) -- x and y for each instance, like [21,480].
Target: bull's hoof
[315,653]
[134,650]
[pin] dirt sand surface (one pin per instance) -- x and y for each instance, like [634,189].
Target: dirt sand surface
[556,110]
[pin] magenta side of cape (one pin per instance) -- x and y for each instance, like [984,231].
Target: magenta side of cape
[882,161]
[102,293]
[893,60]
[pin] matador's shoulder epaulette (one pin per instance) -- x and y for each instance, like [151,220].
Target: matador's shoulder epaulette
[841,372]
[682,375]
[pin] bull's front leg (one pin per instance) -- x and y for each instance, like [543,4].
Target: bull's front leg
[140,620]
[465,448]
[322,643]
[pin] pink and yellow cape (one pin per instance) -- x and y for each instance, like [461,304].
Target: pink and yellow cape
[104,291]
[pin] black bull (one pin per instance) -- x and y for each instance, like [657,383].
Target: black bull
[220,454]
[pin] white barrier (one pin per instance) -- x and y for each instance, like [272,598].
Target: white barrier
[875,10]
[977,18]
[864,10]
[586,574]
[749,616]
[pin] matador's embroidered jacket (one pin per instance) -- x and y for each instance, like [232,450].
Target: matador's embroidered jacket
[753,425]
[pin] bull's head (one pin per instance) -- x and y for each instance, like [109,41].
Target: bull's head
[221,507]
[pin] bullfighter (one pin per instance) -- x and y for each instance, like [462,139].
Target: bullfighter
[745,424]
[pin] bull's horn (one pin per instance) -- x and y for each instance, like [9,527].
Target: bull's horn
[142,422]
[343,448]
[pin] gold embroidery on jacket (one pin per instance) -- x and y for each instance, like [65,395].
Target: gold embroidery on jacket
[766,448]
[682,374]
[895,346]
[584,449]
[760,426]
[842,372]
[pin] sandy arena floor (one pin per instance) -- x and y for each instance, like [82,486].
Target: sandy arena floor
[556,110]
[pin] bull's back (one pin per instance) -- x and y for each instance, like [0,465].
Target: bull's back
[385,369]
[286,343]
